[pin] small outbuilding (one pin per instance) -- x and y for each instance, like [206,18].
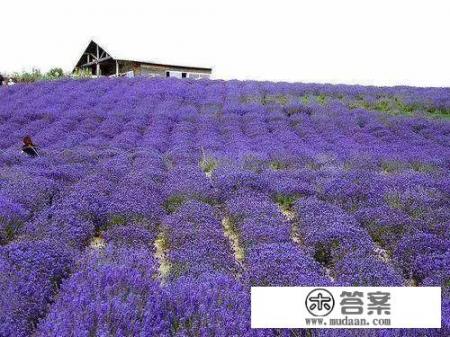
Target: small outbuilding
[100,62]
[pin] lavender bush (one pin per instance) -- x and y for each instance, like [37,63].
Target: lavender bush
[155,204]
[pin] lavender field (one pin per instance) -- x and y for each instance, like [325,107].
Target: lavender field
[155,204]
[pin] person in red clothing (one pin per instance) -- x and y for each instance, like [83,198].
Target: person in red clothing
[28,147]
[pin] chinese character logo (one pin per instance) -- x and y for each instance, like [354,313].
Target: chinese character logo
[352,303]
[379,303]
[319,302]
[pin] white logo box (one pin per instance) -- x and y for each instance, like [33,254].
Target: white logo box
[285,307]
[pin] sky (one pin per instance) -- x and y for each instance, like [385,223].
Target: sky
[381,42]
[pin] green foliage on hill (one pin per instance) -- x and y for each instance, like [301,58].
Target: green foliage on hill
[36,75]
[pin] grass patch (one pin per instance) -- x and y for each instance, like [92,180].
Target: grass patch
[321,99]
[117,220]
[286,201]
[9,231]
[274,99]
[322,255]
[208,165]
[394,105]
[394,201]
[391,166]
[278,165]
[173,203]
[423,167]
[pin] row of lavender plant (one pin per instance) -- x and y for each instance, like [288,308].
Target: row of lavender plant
[202,296]
[92,205]
[124,297]
[106,145]
[270,256]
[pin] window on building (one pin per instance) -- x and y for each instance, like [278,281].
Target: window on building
[172,73]
[183,75]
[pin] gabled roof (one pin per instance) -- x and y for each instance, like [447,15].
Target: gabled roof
[128,51]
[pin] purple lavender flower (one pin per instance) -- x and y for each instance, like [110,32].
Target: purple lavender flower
[30,272]
[12,216]
[366,272]
[282,265]
[107,295]
[228,184]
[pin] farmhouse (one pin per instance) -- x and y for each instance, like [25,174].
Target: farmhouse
[100,62]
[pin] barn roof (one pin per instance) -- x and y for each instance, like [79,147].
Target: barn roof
[126,50]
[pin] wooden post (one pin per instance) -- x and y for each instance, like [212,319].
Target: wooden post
[117,68]
[98,65]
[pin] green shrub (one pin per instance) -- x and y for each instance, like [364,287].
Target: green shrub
[54,73]
[27,77]
[36,75]
[81,73]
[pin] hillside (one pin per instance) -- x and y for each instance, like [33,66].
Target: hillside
[155,204]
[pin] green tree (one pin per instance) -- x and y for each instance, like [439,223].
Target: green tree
[54,73]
